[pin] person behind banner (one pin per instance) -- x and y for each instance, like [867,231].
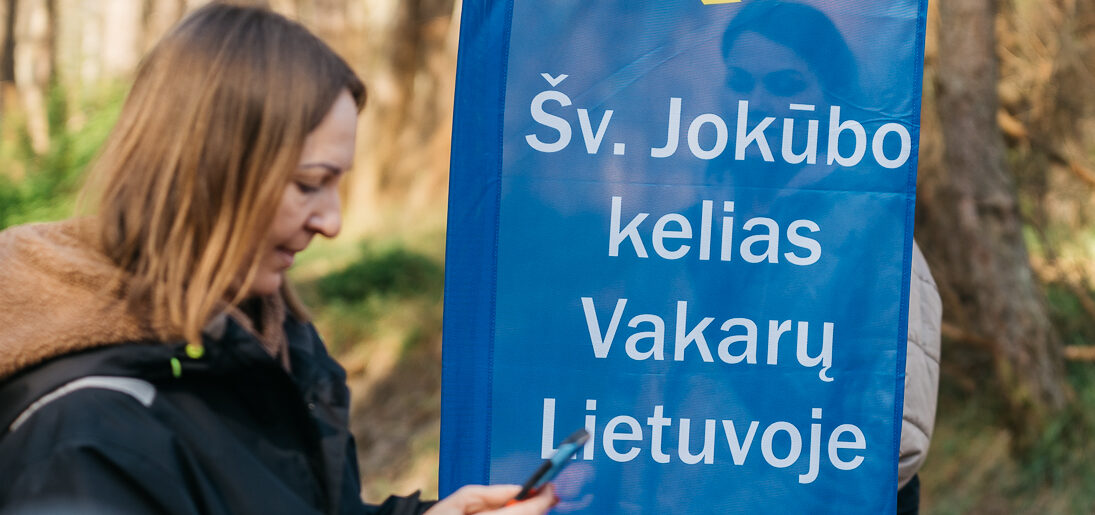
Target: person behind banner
[818,68]
[152,357]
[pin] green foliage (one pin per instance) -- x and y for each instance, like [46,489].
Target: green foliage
[1061,460]
[51,180]
[392,271]
[390,295]
[1068,315]
[971,467]
[10,201]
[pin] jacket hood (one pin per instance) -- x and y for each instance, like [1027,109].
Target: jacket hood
[60,294]
[56,296]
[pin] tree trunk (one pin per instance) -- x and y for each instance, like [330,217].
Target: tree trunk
[122,36]
[7,40]
[159,17]
[409,64]
[972,229]
[33,55]
[7,56]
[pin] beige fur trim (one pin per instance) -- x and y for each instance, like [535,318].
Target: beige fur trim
[55,296]
[58,294]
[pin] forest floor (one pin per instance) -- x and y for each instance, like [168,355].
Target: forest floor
[972,469]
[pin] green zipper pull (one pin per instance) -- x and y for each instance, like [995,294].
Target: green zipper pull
[176,368]
[195,350]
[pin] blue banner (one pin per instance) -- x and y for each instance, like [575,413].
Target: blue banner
[686,226]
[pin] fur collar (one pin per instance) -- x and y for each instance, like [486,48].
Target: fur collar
[59,294]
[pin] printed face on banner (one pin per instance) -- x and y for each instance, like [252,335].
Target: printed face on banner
[705,214]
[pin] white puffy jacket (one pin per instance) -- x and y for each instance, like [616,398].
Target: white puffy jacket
[921,369]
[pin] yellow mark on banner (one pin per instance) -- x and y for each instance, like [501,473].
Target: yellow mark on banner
[712,2]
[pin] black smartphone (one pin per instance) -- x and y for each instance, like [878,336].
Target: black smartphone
[551,467]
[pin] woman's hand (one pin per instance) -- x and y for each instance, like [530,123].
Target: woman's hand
[492,500]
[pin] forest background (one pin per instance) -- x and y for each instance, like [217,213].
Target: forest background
[1004,215]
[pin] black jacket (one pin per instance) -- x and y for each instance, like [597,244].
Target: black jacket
[230,432]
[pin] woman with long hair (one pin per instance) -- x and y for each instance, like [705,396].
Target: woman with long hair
[152,356]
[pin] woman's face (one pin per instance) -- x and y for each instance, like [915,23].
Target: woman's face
[310,203]
[770,75]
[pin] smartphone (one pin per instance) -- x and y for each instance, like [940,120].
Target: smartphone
[551,467]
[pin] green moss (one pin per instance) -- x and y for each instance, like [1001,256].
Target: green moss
[392,271]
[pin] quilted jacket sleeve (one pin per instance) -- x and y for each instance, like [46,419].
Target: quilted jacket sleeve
[921,369]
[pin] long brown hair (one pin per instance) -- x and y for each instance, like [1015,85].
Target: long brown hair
[188,181]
